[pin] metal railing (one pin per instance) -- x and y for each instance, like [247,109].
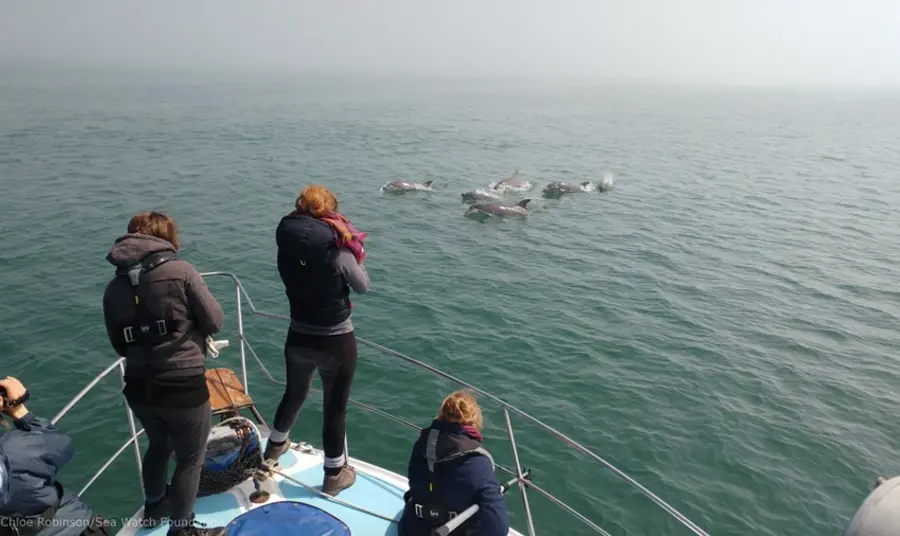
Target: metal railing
[524,483]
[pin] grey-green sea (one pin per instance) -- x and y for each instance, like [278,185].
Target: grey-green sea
[721,325]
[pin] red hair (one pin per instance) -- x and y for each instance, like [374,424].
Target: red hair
[155,224]
[317,201]
[461,407]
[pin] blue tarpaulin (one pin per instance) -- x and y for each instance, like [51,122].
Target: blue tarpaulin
[225,446]
[287,517]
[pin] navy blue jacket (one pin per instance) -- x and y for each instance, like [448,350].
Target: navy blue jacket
[459,484]
[316,289]
[33,453]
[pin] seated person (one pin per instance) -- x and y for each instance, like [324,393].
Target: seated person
[450,471]
[32,502]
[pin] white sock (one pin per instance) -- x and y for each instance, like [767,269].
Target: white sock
[334,463]
[278,437]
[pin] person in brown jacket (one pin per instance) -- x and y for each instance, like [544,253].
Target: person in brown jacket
[158,314]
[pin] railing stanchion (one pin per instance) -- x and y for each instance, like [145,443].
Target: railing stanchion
[519,477]
[240,319]
[134,436]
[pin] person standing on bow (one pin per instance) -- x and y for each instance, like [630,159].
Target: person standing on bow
[450,471]
[32,501]
[320,257]
[158,314]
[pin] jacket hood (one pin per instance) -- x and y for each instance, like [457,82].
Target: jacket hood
[131,249]
[456,428]
[453,438]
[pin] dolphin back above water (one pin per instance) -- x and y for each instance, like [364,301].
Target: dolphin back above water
[406,186]
[513,182]
[520,209]
[479,195]
[558,188]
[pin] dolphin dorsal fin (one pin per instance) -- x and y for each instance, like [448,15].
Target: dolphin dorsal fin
[586,183]
[428,183]
[524,203]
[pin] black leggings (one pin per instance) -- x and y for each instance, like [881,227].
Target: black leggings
[182,431]
[335,357]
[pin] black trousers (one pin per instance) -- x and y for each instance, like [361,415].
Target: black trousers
[335,358]
[184,432]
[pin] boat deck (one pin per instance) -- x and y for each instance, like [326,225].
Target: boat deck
[376,489]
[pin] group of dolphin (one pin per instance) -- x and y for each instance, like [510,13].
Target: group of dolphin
[489,202]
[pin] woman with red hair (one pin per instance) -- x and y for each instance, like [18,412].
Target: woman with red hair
[320,257]
[449,470]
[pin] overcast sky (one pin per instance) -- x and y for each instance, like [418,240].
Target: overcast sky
[780,42]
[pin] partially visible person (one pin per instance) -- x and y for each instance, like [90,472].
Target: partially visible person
[320,257]
[32,501]
[879,514]
[449,470]
[158,313]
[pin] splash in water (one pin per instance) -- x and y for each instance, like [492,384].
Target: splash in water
[607,182]
[503,188]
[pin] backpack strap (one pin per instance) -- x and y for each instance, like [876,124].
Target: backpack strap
[479,450]
[430,509]
[134,273]
[136,270]
[431,452]
[431,449]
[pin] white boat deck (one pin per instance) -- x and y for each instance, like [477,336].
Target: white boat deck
[376,489]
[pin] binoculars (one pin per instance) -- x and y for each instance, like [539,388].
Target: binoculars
[7,403]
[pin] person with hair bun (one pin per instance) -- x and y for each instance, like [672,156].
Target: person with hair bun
[449,471]
[320,256]
[158,314]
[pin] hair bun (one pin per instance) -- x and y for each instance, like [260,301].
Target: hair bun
[461,407]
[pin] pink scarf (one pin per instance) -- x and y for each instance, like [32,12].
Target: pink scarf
[472,432]
[347,235]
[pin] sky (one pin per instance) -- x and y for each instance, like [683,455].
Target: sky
[704,42]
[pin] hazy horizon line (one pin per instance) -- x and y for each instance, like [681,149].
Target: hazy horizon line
[52,67]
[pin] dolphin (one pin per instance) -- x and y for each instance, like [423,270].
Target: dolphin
[558,188]
[406,186]
[499,209]
[478,196]
[513,182]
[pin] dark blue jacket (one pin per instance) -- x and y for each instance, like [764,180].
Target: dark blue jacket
[33,454]
[316,289]
[459,483]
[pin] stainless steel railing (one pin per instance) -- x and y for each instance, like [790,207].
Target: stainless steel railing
[117,364]
[524,484]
